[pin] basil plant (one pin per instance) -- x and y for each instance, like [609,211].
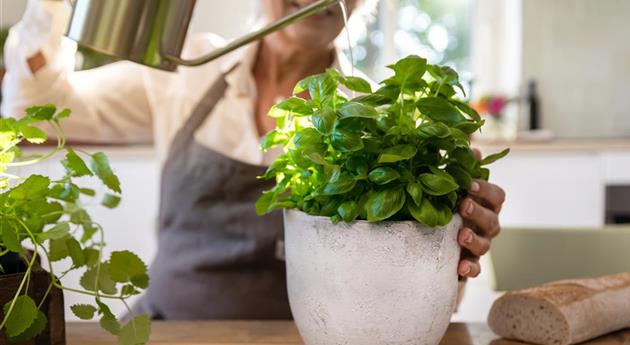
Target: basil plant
[401,152]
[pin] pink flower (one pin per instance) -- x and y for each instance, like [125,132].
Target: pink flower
[496,105]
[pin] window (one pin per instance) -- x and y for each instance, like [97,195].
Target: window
[439,30]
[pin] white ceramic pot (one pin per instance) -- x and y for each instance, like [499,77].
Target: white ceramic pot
[388,283]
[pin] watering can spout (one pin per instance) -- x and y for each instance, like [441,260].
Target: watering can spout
[152,32]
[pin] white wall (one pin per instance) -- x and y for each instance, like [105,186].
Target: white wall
[576,50]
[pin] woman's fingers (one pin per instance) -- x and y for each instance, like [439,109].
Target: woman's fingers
[475,244]
[469,268]
[485,221]
[492,195]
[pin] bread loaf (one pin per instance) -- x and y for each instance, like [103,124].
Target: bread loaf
[564,312]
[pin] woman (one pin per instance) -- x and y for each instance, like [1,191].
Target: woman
[216,258]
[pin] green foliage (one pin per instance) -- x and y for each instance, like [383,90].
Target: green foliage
[401,152]
[48,213]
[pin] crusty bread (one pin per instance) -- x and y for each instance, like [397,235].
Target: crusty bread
[564,312]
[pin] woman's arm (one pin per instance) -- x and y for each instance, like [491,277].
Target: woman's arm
[110,104]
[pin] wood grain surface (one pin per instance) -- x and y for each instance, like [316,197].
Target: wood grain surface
[278,333]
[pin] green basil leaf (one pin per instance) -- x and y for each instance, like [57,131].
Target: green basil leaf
[397,153]
[357,167]
[414,189]
[357,84]
[429,214]
[495,157]
[272,139]
[322,89]
[306,138]
[439,109]
[437,185]
[348,211]
[460,175]
[355,109]
[373,100]
[467,109]
[345,141]
[433,130]
[384,204]
[409,69]
[469,127]
[464,157]
[383,175]
[324,121]
[294,105]
[342,184]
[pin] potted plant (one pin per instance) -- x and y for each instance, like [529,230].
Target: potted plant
[47,213]
[369,186]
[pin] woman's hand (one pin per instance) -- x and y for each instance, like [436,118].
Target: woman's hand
[480,210]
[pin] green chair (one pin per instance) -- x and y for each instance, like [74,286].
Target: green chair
[523,258]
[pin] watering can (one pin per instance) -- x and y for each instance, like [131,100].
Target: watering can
[152,32]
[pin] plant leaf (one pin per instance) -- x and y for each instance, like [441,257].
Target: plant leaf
[437,185]
[355,109]
[494,157]
[83,311]
[346,141]
[324,121]
[75,166]
[38,326]
[33,135]
[57,232]
[348,211]
[414,189]
[294,105]
[357,84]
[75,251]
[42,112]
[136,331]
[110,200]
[100,167]
[105,283]
[22,316]
[439,109]
[430,215]
[384,204]
[124,265]
[397,153]
[342,184]
[383,175]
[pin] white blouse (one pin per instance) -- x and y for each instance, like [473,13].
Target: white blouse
[126,103]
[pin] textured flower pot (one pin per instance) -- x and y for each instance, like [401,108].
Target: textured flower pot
[388,283]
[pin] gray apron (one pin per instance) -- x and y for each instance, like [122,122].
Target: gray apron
[216,258]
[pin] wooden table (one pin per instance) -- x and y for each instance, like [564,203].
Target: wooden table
[277,333]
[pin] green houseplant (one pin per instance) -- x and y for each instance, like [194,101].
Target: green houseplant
[48,214]
[392,164]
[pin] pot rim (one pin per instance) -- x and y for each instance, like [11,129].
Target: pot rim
[456,218]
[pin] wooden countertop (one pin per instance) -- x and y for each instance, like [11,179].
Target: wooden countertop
[277,333]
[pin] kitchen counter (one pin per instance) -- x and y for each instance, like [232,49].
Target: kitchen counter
[277,333]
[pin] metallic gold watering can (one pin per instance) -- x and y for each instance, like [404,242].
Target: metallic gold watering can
[152,32]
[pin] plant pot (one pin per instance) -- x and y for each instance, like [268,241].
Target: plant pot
[54,334]
[388,283]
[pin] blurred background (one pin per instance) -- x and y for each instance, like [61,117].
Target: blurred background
[551,78]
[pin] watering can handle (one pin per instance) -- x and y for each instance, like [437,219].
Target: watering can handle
[256,35]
